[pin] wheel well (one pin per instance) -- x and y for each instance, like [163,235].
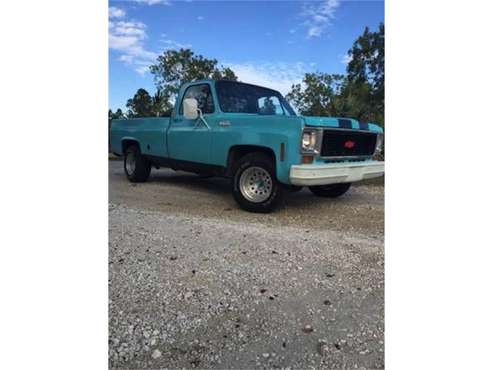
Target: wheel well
[128,142]
[239,151]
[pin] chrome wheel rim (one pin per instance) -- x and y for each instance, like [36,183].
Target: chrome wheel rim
[256,184]
[130,163]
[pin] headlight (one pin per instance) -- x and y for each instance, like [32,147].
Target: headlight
[309,141]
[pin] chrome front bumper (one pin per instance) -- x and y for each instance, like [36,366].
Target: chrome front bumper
[333,173]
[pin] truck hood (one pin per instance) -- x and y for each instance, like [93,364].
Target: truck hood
[336,122]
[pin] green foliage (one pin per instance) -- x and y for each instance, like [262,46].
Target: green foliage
[317,95]
[116,115]
[359,94]
[144,105]
[140,105]
[175,67]
[161,105]
[366,71]
[367,62]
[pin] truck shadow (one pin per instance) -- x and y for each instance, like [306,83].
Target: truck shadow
[221,187]
[191,181]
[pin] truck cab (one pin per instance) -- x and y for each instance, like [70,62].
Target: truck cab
[251,135]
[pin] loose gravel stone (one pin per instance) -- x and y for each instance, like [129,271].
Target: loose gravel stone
[323,348]
[307,329]
[162,314]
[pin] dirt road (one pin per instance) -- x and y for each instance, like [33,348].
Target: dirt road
[195,282]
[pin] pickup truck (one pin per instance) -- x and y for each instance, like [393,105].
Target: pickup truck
[251,135]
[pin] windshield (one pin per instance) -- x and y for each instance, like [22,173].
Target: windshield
[235,97]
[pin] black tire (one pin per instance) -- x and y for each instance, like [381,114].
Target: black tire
[274,196]
[330,191]
[141,170]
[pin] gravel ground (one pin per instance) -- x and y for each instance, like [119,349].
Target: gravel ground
[194,282]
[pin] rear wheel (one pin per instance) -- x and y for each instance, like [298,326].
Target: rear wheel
[330,191]
[255,187]
[137,168]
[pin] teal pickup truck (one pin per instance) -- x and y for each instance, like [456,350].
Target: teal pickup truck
[252,135]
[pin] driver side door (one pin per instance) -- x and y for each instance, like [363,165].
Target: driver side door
[190,140]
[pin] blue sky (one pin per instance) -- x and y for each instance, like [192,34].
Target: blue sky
[271,43]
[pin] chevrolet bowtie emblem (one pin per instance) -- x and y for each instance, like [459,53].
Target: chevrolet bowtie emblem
[349,144]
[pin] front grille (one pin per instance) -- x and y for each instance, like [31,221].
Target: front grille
[341,143]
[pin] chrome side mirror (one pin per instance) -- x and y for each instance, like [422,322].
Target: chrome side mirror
[190,108]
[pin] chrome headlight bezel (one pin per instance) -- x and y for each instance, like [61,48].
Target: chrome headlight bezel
[379,144]
[311,141]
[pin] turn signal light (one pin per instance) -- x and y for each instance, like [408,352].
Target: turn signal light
[306,159]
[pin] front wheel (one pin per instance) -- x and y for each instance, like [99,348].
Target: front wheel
[330,191]
[255,187]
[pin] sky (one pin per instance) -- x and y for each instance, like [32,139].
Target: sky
[268,43]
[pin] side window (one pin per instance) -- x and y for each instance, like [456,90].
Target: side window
[270,105]
[203,95]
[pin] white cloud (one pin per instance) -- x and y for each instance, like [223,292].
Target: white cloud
[171,44]
[319,16]
[279,76]
[123,28]
[127,38]
[126,58]
[346,58]
[152,2]
[115,12]
[141,66]
[200,18]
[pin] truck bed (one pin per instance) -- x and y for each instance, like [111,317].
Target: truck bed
[150,130]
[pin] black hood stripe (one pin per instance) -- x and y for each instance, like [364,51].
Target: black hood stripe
[345,123]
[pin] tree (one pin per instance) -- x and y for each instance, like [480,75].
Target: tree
[140,105]
[161,105]
[367,59]
[359,94]
[116,115]
[366,70]
[355,100]
[318,95]
[175,67]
